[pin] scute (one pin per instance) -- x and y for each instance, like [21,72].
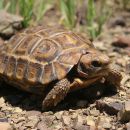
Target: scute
[41,55]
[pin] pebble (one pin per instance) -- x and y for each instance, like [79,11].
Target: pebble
[119,20]
[2,102]
[18,110]
[5,126]
[112,108]
[66,120]
[90,121]
[107,125]
[78,121]
[33,113]
[124,114]
[58,115]
[42,126]
[128,126]
[81,127]
[94,112]
[104,122]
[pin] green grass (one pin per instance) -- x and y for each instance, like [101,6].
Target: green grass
[41,7]
[26,10]
[34,10]
[1,4]
[68,11]
[126,3]
[91,17]
[96,18]
[31,10]
[12,6]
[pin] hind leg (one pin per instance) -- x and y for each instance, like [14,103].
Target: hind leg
[57,93]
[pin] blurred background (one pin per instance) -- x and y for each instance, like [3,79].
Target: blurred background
[80,15]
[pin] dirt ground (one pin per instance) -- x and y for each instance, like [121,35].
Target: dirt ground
[22,111]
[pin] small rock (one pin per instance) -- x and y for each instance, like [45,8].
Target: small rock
[82,127]
[128,126]
[42,126]
[3,120]
[58,126]
[104,122]
[58,115]
[95,112]
[90,121]
[107,125]
[2,100]
[78,121]
[128,68]
[33,113]
[122,41]
[48,120]
[1,41]
[5,126]
[18,110]
[117,21]
[20,119]
[2,114]
[66,120]
[111,108]
[124,114]
[33,121]
[74,115]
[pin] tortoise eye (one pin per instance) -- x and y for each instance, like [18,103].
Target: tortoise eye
[87,52]
[96,63]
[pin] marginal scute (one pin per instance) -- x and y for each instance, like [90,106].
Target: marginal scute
[48,74]
[34,72]
[21,69]
[10,68]
[3,62]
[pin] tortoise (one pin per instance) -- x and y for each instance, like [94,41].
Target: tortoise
[51,61]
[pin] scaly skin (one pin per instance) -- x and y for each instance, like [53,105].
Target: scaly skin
[114,77]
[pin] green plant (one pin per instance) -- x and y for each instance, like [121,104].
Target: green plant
[68,10]
[12,6]
[96,17]
[1,4]
[40,8]
[102,16]
[90,18]
[125,3]
[26,10]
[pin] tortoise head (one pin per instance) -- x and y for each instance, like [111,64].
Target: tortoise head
[93,63]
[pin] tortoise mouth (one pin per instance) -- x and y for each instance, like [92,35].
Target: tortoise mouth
[100,73]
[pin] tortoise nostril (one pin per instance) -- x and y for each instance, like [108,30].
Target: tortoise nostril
[96,63]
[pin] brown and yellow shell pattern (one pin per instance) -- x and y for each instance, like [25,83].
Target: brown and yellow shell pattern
[41,55]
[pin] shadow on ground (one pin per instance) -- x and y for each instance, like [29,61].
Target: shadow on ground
[75,100]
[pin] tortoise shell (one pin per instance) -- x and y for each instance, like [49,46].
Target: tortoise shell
[41,55]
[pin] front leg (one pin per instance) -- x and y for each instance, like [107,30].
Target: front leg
[57,93]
